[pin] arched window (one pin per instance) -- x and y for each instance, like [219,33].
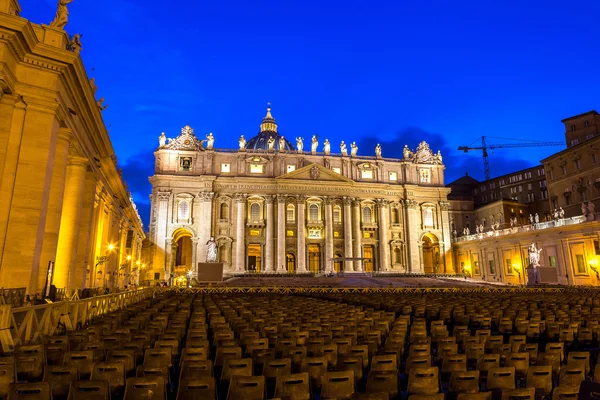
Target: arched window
[224,211]
[183,211]
[313,212]
[337,214]
[395,216]
[255,212]
[290,213]
[367,215]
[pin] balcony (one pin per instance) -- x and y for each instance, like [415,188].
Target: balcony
[255,223]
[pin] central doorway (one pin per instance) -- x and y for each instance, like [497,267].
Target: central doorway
[369,261]
[431,254]
[314,258]
[291,262]
[337,264]
[254,257]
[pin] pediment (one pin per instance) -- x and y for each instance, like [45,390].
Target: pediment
[314,172]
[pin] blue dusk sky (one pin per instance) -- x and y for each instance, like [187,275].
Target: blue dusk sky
[389,72]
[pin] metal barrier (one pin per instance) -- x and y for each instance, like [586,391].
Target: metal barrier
[27,325]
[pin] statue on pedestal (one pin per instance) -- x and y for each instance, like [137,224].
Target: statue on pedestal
[93,85]
[353,149]
[531,219]
[62,15]
[534,256]
[537,218]
[271,143]
[561,213]
[378,151]
[314,144]
[326,147]
[299,144]
[100,104]
[75,44]
[162,140]
[211,250]
[591,211]
[210,141]
[281,143]
[343,149]
[242,143]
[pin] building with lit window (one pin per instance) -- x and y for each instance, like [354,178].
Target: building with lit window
[273,206]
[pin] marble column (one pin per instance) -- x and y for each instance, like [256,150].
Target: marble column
[66,253]
[357,234]
[205,226]
[281,261]
[412,226]
[269,235]
[384,229]
[446,244]
[162,221]
[301,256]
[348,265]
[195,260]
[240,229]
[328,234]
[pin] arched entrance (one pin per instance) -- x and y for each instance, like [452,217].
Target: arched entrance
[337,264]
[431,254]
[182,239]
[291,262]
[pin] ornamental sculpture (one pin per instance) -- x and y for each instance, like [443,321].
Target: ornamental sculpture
[162,140]
[211,250]
[210,141]
[315,172]
[343,149]
[281,143]
[62,15]
[326,147]
[353,149]
[271,143]
[423,155]
[242,143]
[378,151]
[299,144]
[186,140]
[314,144]
[534,256]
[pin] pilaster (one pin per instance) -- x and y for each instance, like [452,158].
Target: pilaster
[240,229]
[85,240]
[159,263]
[281,218]
[269,235]
[328,234]
[412,229]
[384,228]
[357,234]
[301,256]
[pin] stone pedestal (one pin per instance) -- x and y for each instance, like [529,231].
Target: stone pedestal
[532,276]
[210,272]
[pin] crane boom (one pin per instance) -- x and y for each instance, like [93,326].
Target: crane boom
[484,148]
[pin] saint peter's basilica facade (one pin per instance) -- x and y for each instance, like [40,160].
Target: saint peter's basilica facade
[274,207]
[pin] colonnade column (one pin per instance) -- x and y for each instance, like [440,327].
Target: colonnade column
[412,225]
[358,265]
[348,265]
[269,235]
[66,253]
[384,227]
[205,225]
[446,244]
[162,218]
[328,234]
[240,200]
[195,261]
[281,233]
[301,265]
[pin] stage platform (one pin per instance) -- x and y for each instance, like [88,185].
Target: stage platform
[357,281]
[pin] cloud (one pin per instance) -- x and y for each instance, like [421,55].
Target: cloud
[457,162]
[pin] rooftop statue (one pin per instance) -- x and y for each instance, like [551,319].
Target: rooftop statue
[93,85]
[101,105]
[75,44]
[407,152]
[186,140]
[271,143]
[162,140]
[378,151]
[326,147]
[299,144]
[343,148]
[281,143]
[210,141]
[242,143]
[314,144]
[353,149]
[62,15]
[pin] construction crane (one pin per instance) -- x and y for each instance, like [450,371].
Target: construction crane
[485,147]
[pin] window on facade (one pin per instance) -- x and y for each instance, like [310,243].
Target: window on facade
[397,256]
[393,176]
[552,261]
[336,170]
[574,142]
[492,267]
[366,174]
[291,168]
[564,169]
[573,127]
[509,268]
[424,176]
[225,168]
[290,213]
[427,217]
[185,163]
[256,168]
[529,186]
[313,212]
[367,217]
[337,214]
[224,211]
[395,216]
[183,211]
[255,212]
[586,123]
[577,164]
[594,158]
[579,260]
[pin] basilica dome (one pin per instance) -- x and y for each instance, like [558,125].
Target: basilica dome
[268,130]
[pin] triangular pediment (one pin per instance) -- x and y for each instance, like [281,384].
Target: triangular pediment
[314,172]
